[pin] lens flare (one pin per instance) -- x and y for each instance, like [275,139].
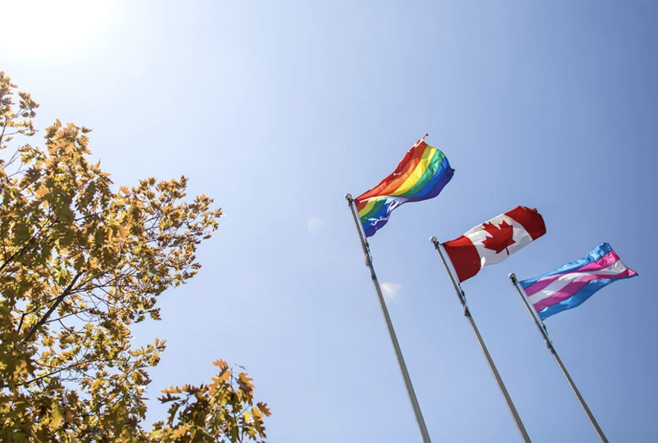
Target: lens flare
[315,225]
[391,290]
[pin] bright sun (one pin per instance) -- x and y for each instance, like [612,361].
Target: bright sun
[50,28]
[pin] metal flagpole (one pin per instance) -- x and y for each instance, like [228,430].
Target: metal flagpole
[549,345]
[398,353]
[467,313]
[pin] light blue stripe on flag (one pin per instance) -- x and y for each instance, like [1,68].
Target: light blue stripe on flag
[570,285]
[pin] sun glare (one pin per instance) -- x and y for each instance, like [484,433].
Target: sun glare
[391,290]
[50,28]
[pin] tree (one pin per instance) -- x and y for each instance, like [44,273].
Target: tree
[80,263]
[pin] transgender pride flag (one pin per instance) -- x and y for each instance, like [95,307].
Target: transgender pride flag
[575,282]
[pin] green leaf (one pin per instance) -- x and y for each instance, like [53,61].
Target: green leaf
[64,214]
[21,233]
[56,418]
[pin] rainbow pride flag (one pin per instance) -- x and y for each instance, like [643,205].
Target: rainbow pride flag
[570,285]
[421,175]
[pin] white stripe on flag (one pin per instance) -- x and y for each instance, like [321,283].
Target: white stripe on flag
[556,286]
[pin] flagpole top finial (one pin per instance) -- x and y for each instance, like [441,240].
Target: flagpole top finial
[348,197]
[433,239]
[512,276]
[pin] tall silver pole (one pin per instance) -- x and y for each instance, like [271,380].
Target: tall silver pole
[467,313]
[398,352]
[549,345]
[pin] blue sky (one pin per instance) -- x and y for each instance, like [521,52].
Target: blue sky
[277,109]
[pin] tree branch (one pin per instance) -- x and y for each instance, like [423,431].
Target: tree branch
[50,374]
[4,128]
[54,306]
[27,245]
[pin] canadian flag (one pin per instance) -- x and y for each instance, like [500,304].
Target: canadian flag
[493,241]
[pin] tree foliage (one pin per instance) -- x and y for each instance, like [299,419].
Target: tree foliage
[225,408]
[79,264]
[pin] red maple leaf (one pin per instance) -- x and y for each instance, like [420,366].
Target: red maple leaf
[501,236]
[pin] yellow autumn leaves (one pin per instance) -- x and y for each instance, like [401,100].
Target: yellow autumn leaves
[80,263]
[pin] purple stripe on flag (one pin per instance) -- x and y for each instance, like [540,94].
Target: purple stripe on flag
[608,259]
[579,283]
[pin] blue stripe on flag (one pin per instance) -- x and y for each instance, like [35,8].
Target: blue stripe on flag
[596,254]
[577,299]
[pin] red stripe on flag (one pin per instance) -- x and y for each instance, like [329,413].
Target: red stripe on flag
[394,180]
[530,219]
[464,257]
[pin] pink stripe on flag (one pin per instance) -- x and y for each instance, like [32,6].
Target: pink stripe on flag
[579,283]
[602,263]
[607,260]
